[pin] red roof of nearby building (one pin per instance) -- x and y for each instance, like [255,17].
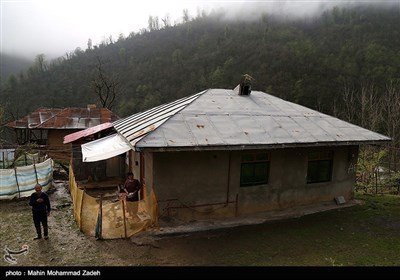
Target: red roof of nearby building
[67,118]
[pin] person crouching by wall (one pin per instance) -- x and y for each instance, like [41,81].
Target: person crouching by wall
[40,210]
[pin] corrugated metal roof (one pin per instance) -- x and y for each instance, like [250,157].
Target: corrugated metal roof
[135,127]
[219,118]
[86,132]
[67,118]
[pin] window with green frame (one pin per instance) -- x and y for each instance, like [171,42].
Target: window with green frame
[254,169]
[319,167]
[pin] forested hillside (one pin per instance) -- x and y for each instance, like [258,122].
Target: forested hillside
[345,62]
[11,64]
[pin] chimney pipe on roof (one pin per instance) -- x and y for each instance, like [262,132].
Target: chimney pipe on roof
[245,84]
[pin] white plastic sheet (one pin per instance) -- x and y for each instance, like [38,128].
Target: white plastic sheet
[104,148]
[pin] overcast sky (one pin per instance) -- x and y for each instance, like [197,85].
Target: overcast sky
[54,27]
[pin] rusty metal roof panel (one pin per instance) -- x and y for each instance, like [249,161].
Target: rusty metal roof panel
[74,113]
[67,118]
[34,119]
[106,114]
[222,118]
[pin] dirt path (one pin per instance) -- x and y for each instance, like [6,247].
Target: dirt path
[67,246]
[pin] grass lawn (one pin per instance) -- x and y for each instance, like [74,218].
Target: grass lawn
[363,235]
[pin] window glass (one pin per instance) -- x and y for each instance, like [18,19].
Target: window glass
[319,167]
[254,169]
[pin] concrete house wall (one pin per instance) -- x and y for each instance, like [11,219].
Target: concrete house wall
[206,184]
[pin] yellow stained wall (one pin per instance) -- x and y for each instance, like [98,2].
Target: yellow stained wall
[56,148]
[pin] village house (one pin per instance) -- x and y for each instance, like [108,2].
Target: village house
[227,153]
[47,127]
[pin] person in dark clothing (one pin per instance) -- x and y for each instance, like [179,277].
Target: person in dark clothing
[132,188]
[40,210]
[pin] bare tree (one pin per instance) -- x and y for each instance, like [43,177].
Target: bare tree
[39,66]
[363,107]
[349,101]
[166,21]
[363,104]
[370,107]
[153,23]
[373,115]
[89,44]
[185,16]
[121,37]
[1,123]
[105,85]
[392,111]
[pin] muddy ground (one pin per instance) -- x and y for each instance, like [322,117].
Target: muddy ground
[362,235]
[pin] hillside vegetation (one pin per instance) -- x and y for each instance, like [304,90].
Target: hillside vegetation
[345,63]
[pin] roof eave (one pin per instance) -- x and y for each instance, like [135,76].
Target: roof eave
[258,146]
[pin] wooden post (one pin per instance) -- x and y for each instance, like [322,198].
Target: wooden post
[80,211]
[16,180]
[34,167]
[99,224]
[123,214]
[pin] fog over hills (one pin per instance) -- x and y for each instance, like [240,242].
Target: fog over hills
[54,28]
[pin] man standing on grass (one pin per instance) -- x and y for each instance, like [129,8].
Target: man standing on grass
[40,210]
